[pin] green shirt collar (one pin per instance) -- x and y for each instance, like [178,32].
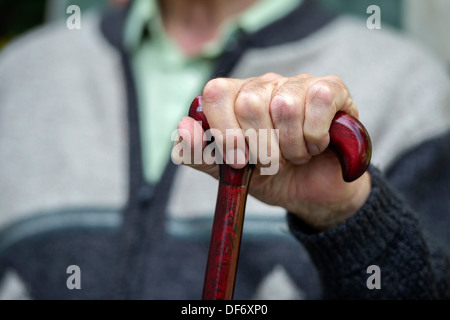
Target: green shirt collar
[145,14]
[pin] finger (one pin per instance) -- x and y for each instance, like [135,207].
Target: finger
[252,112]
[287,113]
[219,96]
[343,99]
[324,98]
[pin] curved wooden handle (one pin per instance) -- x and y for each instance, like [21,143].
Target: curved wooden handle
[350,142]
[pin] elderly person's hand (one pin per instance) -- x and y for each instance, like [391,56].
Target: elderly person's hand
[295,114]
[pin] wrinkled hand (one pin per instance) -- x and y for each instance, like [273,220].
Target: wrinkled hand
[295,114]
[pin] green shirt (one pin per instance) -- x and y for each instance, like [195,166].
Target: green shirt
[167,81]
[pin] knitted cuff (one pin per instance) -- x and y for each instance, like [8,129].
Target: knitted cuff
[353,244]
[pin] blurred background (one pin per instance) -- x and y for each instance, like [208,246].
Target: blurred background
[427,21]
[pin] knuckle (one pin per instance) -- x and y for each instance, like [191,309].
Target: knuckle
[283,108]
[336,79]
[214,89]
[270,75]
[248,105]
[321,93]
[338,84]
[304,76]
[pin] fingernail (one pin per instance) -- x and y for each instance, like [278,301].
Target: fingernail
[313,149]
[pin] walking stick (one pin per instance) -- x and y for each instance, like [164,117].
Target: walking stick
[350,142]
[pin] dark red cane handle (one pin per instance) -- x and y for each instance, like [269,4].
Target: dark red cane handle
[349,140]
[351,143]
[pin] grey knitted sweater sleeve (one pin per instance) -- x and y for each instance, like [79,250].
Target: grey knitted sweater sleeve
[386,234]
